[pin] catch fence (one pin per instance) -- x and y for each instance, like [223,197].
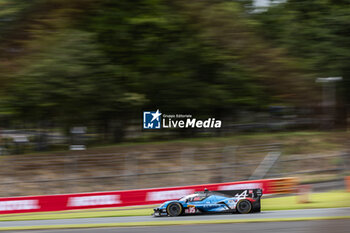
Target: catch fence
[78,172]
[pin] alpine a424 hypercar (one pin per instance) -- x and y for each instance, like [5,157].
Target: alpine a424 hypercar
[206,202]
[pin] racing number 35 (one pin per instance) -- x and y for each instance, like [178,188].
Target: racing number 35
[190,210]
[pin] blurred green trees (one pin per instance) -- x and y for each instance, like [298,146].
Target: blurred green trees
[102,62]
[316,32]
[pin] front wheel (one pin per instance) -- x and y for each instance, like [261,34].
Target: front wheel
[244,207]
[174,209]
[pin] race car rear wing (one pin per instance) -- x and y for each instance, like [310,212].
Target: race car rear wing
[239,193]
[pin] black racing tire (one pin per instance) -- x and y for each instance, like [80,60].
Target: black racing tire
[174,209]
[244,207]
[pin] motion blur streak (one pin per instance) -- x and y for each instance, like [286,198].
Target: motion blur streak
[84,83]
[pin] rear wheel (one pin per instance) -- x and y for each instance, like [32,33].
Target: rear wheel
[244,207]
[174,209]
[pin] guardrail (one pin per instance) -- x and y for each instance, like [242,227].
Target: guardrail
[129,197]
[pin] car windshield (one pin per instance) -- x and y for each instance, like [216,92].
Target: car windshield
[193,197]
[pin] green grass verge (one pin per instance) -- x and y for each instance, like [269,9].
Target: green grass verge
[89,214]
[168,223]
[331,199]
[317,200]
[122,210]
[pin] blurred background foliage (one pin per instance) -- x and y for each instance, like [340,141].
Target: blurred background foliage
[101,62]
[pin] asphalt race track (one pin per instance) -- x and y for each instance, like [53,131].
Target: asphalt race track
[320,226]
[302,213]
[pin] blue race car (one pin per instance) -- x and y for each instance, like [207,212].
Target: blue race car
[228,201]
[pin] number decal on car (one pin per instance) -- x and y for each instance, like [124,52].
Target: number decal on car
[190,210]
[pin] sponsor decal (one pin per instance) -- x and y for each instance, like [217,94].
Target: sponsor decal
[19,205]
[242,195]
[94,200]
[211,206]
[168,195]
[241,186]
[157,120]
